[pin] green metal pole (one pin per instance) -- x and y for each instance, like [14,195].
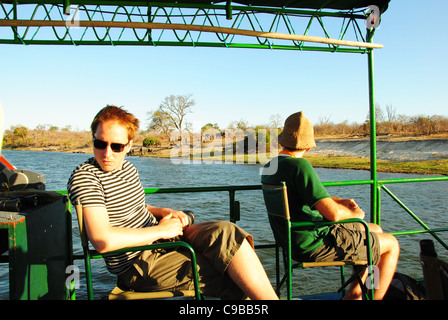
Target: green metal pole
[374,206]
[16,38]
[67,7]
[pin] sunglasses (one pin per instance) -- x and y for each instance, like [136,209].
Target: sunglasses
[101,145]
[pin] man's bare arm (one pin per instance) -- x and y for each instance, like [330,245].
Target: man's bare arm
[337,209]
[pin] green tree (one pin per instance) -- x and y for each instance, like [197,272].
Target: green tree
[160,122]
[210,126]
[21,132]
[150,141]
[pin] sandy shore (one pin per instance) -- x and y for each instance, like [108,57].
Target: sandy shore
[393,150]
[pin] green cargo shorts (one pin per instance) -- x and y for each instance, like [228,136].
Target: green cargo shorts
[215,244]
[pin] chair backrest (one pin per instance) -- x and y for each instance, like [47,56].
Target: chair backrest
[276,200]
[82,229]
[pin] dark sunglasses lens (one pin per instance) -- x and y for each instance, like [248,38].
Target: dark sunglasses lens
[101,145]
[98,144]
[117,147]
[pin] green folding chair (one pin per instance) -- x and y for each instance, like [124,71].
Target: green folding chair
[119,294]
[276,201]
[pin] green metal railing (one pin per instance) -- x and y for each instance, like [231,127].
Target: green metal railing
[235,214]
[426,229]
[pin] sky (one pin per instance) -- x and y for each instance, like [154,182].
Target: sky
[66,85]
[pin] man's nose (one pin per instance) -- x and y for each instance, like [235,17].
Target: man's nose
[108,151]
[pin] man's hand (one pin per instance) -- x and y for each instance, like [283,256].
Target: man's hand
[160,213]
[183,218]
[171,227]
[336,209]
[351,205]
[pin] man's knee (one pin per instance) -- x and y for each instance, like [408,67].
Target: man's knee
[390,244]
[373,227]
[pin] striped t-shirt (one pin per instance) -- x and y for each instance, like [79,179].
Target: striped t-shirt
[121,193]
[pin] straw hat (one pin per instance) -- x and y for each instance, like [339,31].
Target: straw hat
[298,133]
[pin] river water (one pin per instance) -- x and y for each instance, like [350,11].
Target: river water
[427,200]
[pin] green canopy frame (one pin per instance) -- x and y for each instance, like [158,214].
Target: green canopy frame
[189,23]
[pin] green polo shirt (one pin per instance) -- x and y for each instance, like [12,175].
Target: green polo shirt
[304,191]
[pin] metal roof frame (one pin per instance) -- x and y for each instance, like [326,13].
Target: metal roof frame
[186,23]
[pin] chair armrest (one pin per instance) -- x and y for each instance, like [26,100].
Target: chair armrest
[311,225]
[317,224]
[164,245]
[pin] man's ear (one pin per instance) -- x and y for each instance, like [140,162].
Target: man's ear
[130,143]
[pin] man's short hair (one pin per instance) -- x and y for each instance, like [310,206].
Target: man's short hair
[114,113]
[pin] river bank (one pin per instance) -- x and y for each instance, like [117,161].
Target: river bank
[422,155]
[397,149]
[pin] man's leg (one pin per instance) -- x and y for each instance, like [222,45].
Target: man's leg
[389,254]
[172,271]
[228,249]
[390,251]
[248,273]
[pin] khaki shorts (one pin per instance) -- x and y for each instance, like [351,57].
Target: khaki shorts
[347,242]
[215,244]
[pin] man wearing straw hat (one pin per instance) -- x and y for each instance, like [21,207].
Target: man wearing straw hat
[310,201]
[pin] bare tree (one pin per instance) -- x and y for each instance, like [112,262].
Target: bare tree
[379,114]
[175,108]
[275,121]
[391,113]
[242,125]
[440,123]
[323,125]
[323,120]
